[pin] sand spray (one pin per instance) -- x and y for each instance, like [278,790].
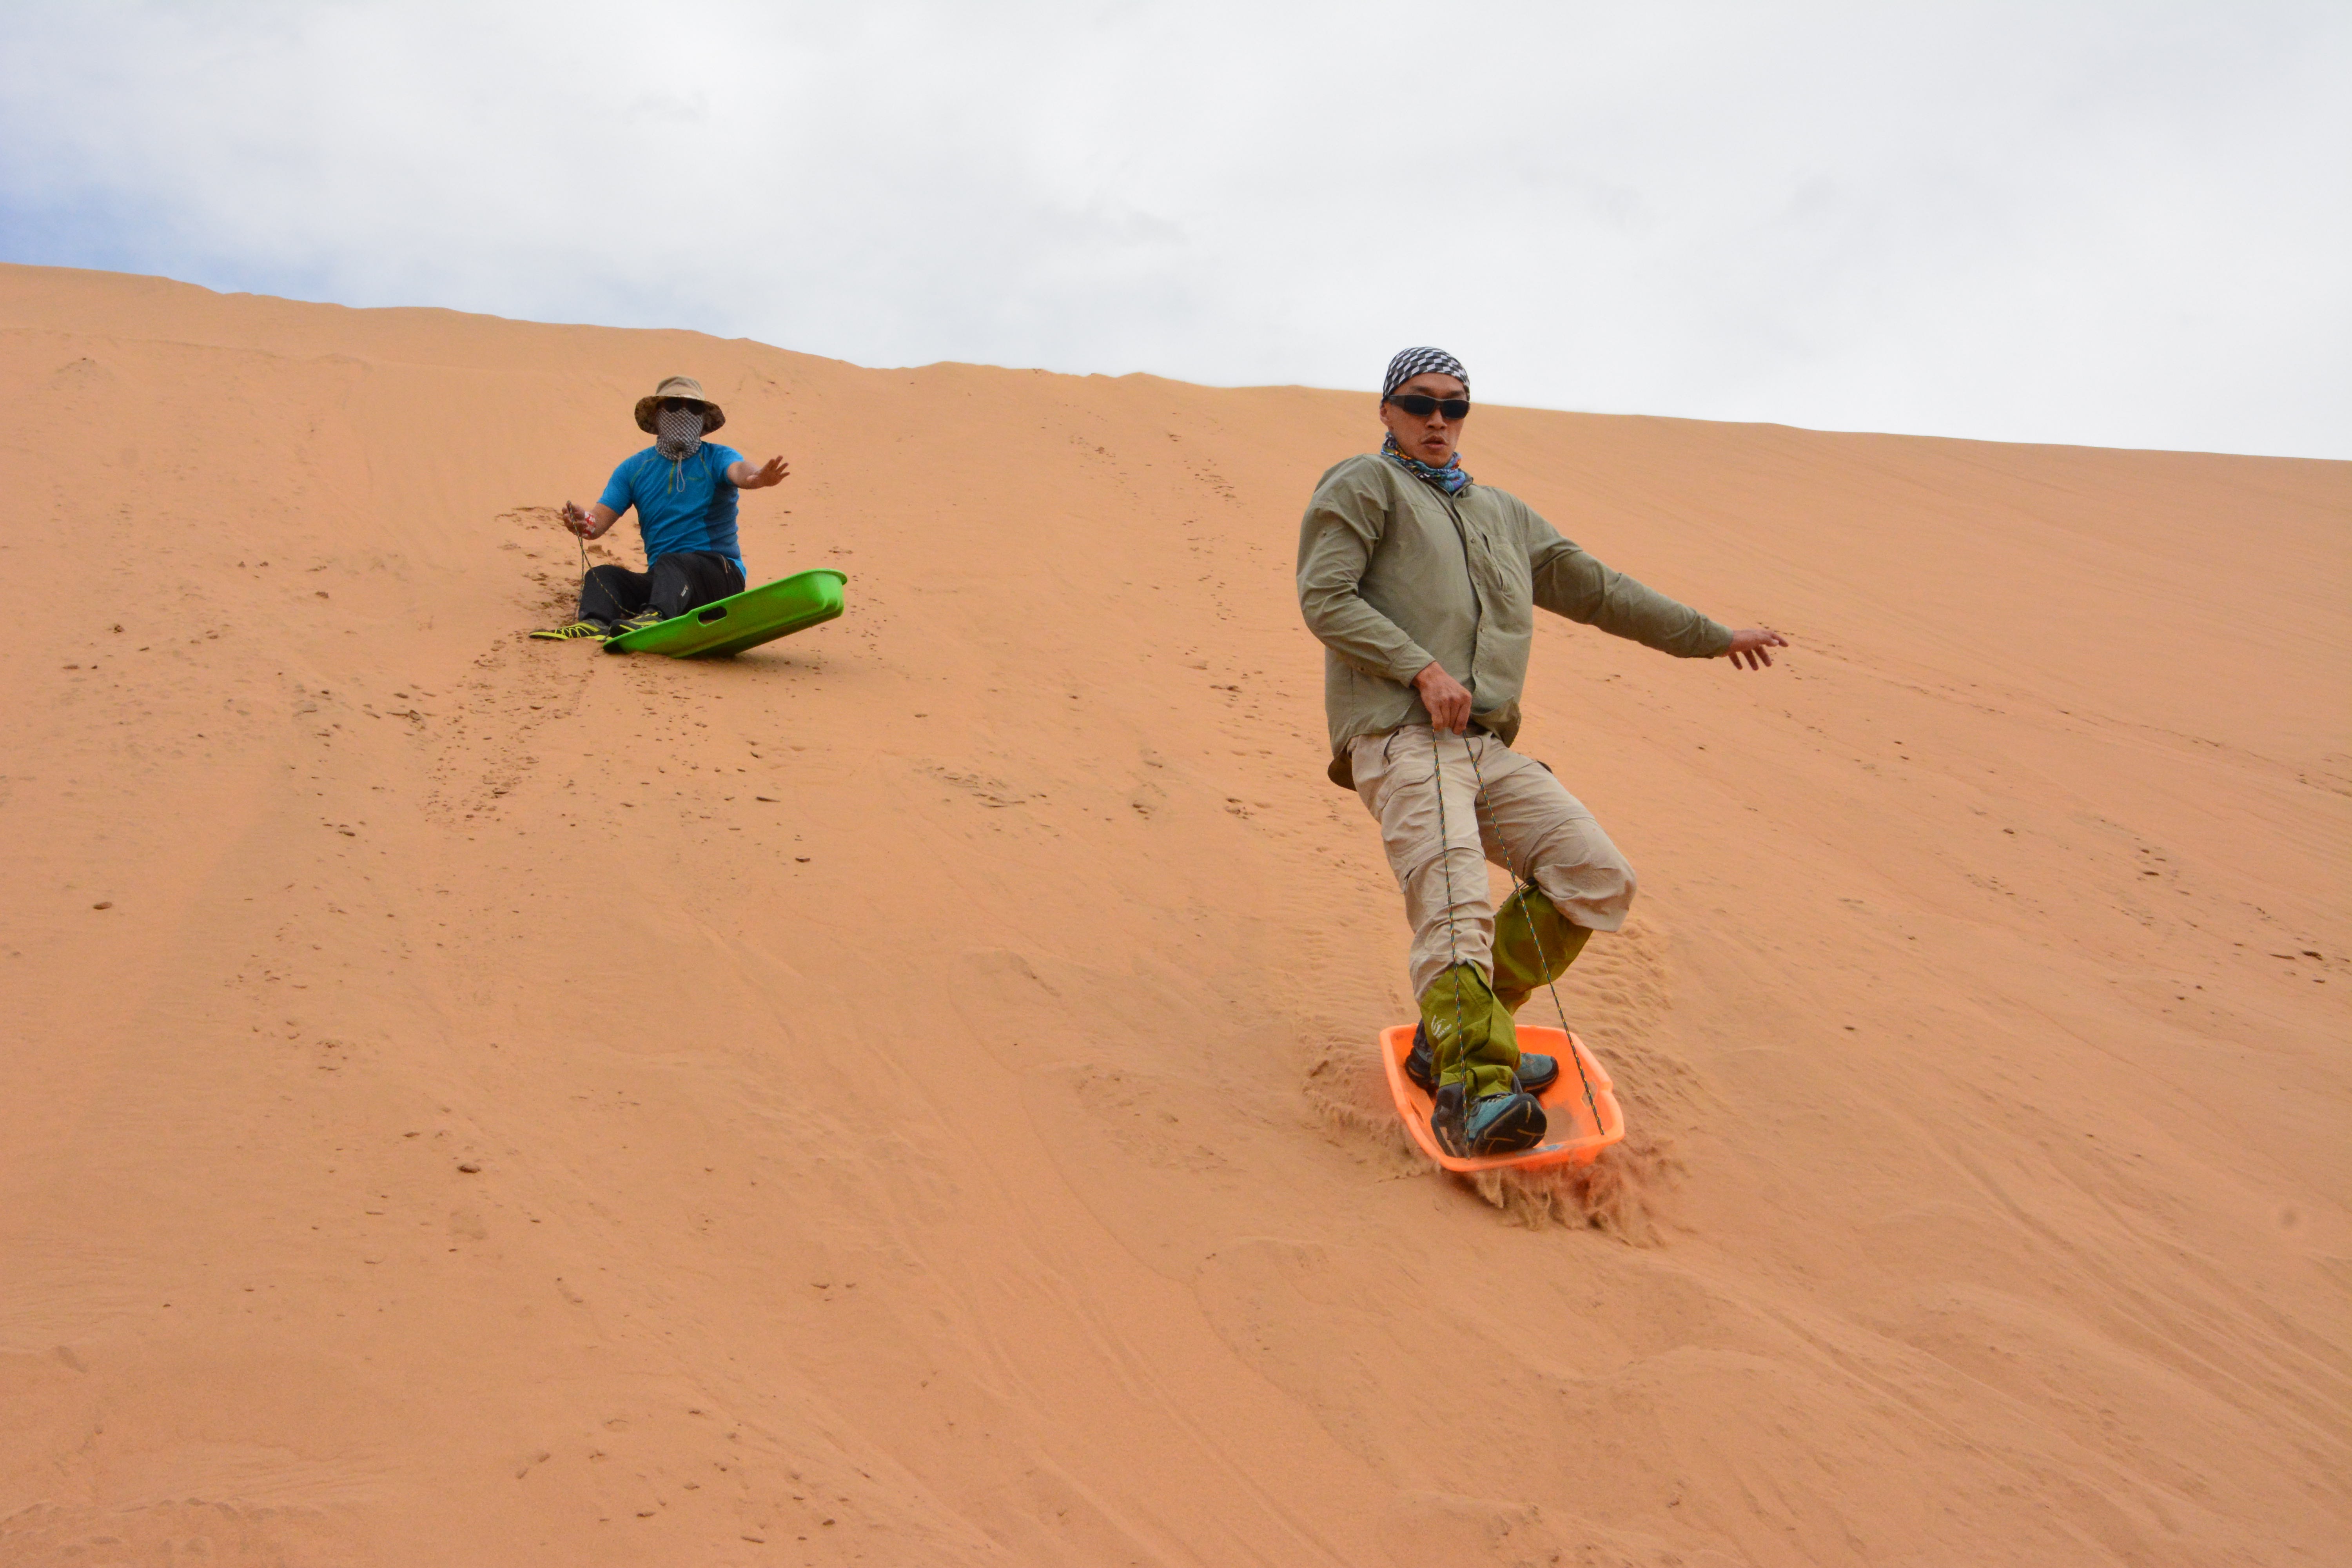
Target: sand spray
[1622,1193]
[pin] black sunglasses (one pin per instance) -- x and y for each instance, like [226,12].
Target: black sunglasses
[1422,408]
[680,405]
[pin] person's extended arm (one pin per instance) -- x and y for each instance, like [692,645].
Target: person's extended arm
[744,477]
[1336,539]
[1568,581]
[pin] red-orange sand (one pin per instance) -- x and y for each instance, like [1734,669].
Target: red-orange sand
[907,1096]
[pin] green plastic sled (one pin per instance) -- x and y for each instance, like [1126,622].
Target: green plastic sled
[743,620]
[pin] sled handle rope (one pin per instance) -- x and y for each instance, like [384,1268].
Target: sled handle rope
[1518,889]
[1445,863]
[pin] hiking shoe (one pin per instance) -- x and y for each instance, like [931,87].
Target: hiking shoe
[1507,1123]
[1538,1072]
[577,630]
[638,622]
[1497,1125]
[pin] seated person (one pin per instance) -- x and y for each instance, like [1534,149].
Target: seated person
[684,489]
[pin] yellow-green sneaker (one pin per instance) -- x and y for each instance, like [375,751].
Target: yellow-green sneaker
[597,630]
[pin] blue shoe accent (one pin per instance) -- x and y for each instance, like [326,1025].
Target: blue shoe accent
[1498,1124]
[1505,1124]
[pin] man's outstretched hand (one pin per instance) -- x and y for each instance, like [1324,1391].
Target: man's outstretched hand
[771,472]
[1748,646]
[1447,700]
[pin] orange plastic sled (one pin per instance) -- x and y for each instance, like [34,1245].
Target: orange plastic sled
[1577,1135]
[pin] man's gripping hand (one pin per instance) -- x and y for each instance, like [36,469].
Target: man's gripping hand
[1748,646]
[1447,700]
[590,524]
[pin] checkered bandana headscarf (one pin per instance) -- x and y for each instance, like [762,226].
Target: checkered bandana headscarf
[1421,362]
[677,433]
[1452,478]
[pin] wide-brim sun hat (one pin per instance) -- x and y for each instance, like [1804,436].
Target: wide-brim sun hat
[683,387]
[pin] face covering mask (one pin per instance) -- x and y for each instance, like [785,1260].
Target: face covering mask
[677,432]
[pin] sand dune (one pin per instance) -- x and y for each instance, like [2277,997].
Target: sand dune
[906,1096]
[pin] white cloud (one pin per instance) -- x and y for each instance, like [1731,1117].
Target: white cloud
[2125,224]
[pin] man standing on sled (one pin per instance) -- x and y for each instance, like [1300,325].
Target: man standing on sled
[684,489]
[1422,587]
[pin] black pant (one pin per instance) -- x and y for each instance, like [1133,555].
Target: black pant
[687,580]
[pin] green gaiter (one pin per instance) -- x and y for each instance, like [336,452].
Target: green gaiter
[1534,945]
[1483,1051]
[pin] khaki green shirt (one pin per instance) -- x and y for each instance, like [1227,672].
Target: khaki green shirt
[1394,573]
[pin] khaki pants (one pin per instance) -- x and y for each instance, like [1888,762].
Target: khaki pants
[1524,821]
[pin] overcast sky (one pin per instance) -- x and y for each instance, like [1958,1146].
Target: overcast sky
[2120,224]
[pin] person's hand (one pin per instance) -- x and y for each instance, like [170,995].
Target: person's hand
[771,472]
[1447,700]
[581,523]
[1748,646]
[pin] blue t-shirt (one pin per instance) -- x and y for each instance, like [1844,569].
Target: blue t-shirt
[680,506]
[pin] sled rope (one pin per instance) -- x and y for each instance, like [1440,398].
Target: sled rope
[1519,890]
[1445,863]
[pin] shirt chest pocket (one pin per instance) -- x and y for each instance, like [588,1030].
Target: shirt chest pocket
[1504,581]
